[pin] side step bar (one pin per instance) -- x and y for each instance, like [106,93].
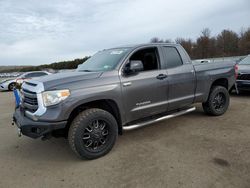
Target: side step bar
[138,125]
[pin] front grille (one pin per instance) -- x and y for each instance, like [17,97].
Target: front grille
[243,77]
[29,100]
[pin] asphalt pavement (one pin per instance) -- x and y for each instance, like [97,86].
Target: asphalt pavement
[194,150]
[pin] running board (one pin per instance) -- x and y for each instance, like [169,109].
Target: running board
[138,125]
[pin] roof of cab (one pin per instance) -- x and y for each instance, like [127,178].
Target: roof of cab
[146,45]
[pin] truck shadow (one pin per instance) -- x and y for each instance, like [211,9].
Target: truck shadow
[57,150]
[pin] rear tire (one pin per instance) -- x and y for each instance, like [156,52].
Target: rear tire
[217,102]
[93,133]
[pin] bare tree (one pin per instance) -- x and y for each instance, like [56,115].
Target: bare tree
[227,43]
[187,44]
[203,44]
[244,42]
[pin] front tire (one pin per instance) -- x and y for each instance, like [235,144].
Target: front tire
[93,133]
[12,86]
[217,102]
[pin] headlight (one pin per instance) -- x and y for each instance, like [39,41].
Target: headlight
[54,97]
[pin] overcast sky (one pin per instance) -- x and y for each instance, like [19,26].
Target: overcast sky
[34,32]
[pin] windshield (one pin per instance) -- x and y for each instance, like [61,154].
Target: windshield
[103,61]
[22,75]
[245,61]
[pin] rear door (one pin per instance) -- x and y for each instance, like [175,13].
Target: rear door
[181,78]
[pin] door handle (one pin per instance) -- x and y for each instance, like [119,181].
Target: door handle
[125,84]
[161,76]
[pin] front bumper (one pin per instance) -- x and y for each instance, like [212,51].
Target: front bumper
[35,129]
[243,85]
[3,87]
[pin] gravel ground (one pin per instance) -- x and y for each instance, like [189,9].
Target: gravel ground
[193,150]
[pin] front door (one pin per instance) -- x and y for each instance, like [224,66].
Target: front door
[145,93]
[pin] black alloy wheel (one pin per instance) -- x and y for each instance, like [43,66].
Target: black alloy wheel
[219,101]
[93,133]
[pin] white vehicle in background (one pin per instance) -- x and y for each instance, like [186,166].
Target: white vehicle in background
[9,84]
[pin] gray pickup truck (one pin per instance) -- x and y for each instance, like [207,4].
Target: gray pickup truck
[120,89]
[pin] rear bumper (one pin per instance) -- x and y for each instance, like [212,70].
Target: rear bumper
[35,129]
[243,85]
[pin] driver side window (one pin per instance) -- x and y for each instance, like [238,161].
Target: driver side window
[149,58]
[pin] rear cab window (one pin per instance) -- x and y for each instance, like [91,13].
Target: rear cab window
[172,57]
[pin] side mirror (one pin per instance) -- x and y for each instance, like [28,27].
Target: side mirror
[133,66]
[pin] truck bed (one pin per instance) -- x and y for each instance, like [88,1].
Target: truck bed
[207,73]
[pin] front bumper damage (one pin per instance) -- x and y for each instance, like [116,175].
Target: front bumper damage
[34,129]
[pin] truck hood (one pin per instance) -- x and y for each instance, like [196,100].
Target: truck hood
[6,80]
[244,68]
[58,79]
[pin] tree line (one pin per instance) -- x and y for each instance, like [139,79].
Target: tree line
[65,64]
[72,64]
[226,43]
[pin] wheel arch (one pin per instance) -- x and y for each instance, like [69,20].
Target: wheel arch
[216,82]
[220,82]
